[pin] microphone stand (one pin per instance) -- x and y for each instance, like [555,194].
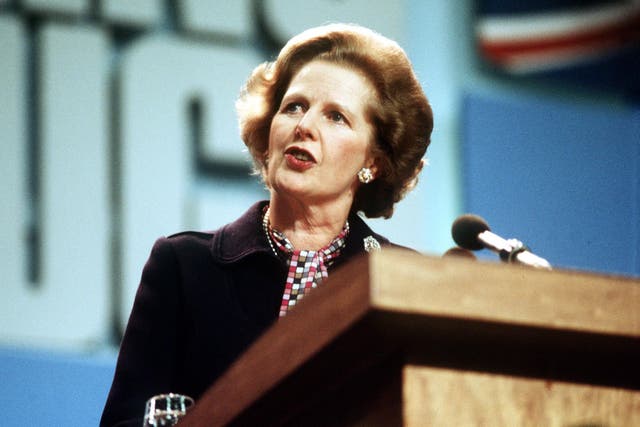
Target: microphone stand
[512,250]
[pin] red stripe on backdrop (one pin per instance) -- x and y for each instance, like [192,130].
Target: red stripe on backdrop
[615,35]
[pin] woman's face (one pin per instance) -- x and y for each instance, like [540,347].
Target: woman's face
[320,136]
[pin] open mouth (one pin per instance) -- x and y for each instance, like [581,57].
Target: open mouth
[300,154]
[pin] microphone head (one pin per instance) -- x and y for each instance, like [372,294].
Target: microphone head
[465,230]
[458,252]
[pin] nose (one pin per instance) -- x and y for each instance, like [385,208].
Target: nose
[306,127]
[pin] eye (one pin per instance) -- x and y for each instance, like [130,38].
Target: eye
[337,117]
[293,107]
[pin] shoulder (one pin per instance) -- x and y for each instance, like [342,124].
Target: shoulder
[364,239]
[226,244]
[185,240]
[167,251]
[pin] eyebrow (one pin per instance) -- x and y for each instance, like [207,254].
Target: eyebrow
[331,104]
[341,107]
[296,94]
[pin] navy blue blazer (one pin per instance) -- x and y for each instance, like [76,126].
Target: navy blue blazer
[202,300]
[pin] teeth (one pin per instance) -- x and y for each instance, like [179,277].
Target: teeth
[302,156]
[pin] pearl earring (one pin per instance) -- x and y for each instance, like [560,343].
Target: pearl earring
[365,175]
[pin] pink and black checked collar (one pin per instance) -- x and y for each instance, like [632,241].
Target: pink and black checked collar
[307,268]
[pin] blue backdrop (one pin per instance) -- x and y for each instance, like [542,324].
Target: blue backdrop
[562,176]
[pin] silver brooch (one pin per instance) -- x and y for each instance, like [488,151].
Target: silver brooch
[371,244]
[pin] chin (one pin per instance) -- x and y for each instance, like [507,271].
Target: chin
[290,187]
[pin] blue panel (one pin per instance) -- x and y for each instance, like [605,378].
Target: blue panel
[562,177]
[50,389]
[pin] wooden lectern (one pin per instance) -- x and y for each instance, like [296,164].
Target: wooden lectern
[402,339]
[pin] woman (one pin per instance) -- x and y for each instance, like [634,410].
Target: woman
[337,125]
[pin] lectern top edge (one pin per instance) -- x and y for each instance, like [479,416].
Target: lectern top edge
[413,283]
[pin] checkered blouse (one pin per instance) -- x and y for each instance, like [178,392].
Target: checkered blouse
[307,269]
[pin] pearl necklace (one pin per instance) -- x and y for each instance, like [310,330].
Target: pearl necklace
[265,226]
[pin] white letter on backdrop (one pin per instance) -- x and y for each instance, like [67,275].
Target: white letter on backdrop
[233,18]
[159,79]
[73,7]
[68,307]
[286,18]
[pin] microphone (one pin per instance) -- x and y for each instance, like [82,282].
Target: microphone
[459,252]
[473,233]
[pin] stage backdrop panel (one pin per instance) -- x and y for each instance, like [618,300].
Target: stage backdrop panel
[562,175]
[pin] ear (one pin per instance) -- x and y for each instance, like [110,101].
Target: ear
[264,163]
[264,160]
[373,165]
[374,161]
